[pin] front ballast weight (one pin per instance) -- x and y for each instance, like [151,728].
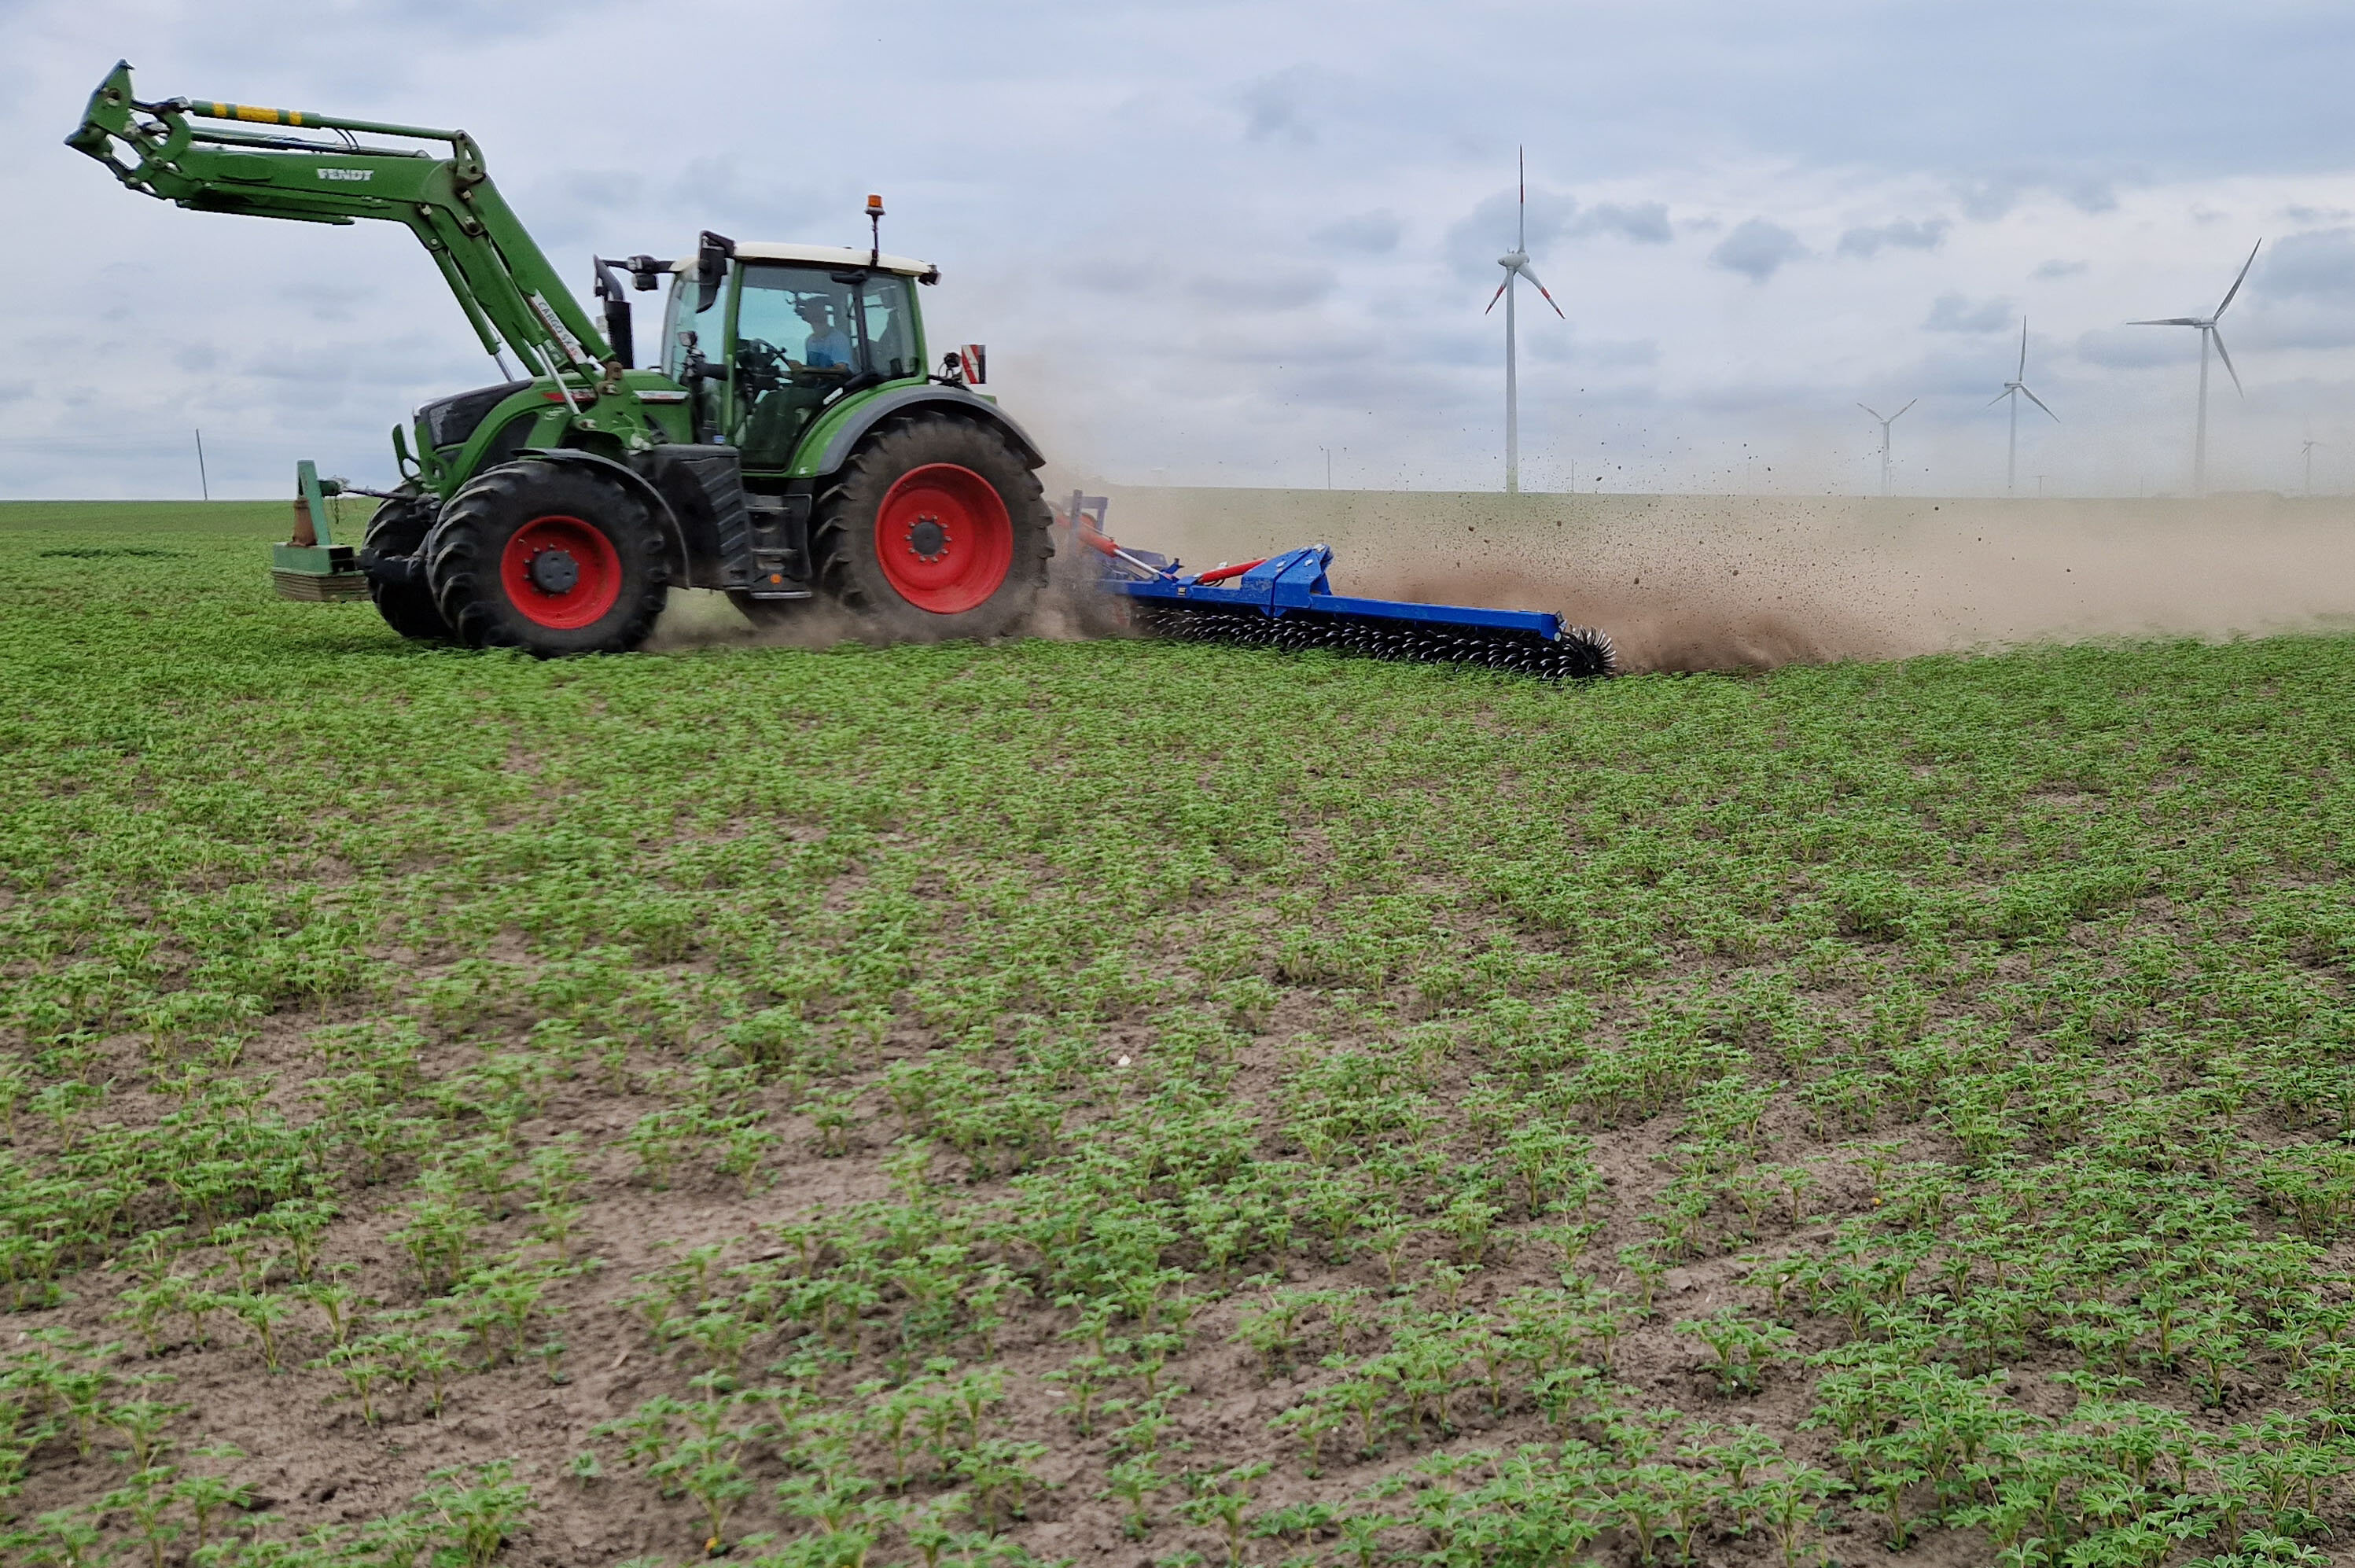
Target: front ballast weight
[311,566]
[1287,601]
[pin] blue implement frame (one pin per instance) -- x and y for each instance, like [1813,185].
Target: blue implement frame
[1296,581]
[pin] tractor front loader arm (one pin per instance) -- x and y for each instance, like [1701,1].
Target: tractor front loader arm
[504,285]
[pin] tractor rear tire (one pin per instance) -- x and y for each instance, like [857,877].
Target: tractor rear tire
[936,528]
[550,557]
[398,528]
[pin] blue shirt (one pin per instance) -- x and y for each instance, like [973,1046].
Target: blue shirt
[827,349]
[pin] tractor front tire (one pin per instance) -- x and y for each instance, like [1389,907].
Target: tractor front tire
[398,528]
[934,528]
[550,557]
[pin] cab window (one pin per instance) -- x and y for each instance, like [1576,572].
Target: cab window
[805,334]
[680,317]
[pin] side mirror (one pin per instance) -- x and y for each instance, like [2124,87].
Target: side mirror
[712,255]
[617,313]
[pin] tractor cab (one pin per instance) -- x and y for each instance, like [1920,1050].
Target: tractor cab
[778,335]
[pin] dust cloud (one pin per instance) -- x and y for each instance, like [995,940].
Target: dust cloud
[1727,582]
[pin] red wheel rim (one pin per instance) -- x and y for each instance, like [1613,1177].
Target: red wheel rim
[945,538]
[560,572]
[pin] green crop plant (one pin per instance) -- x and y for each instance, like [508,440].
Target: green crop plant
[478,1509]
[1221,1500]
[1746,1349]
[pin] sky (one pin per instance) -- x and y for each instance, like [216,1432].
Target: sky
[1237,244]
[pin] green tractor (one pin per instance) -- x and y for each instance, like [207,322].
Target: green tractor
[792,444]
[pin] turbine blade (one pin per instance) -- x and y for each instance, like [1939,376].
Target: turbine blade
[2039,403]
[1900,413]
[1540,288]
[1501,291]
[1874,411]
[2170,321]
[2236,281]
[2023,348]
[2227,359]
[1999,397]
[1521,219]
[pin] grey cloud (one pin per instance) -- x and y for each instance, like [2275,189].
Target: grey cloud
[1990,197]
[2320,265]
[1952,312]
[1475,244]
[1757,250]
[197,359]
[1984,201]
[2056,268]
[1367,233]
[1903,233]
[1272,108]
[2089,194]
[2137,347]
[1946,372]
[1644,222]
[1270,288]
[2296,325]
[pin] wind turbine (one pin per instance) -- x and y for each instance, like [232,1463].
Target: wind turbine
[1516,262]
[2208,333]
[1891,420]
[2307,451]
[2017,388]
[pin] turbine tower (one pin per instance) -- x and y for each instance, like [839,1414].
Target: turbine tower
[1891,420]
[2307,451]
[2208,333]
[1516,263]
[2017,388]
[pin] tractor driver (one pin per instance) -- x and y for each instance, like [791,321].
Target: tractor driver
[830,346]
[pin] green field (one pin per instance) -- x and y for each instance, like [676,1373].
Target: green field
[1155,1105]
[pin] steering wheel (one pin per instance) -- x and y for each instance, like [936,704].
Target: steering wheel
[761,367]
